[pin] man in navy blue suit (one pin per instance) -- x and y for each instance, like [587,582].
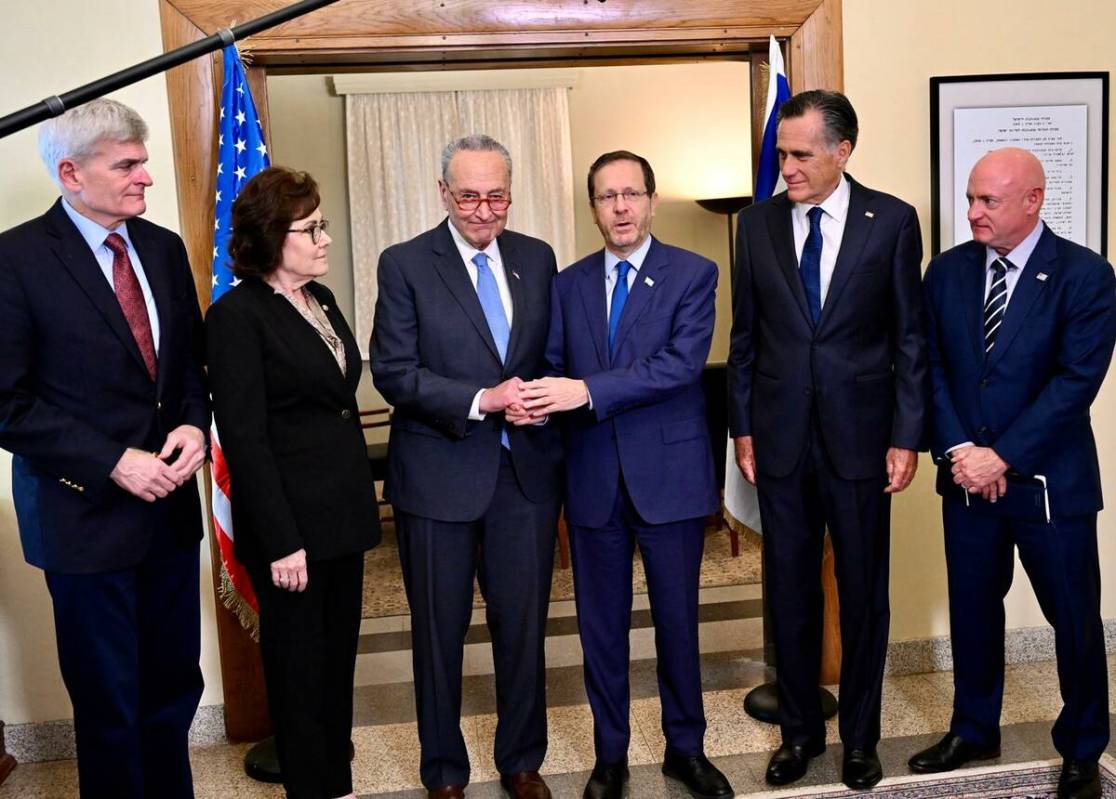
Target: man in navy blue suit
[827,387]
[103,405]
[629,334]
[1022,329]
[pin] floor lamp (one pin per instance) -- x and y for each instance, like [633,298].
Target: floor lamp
[762,702]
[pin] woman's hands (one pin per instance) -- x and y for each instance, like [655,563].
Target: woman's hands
[289,573]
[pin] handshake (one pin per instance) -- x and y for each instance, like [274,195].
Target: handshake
[530,402]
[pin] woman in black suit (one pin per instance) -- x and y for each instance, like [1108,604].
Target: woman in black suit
[283,369]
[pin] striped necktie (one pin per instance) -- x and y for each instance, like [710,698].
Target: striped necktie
[996,304]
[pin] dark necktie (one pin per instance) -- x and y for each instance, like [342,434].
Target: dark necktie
[489,295]
[996,305]
[130,296]
[809,267]
[619,297]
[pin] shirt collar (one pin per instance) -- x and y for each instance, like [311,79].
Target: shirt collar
[468,251]
[835,206]
[635,259]
[93,233]
[1022,252]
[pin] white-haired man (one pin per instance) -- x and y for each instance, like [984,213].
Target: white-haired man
[103,405]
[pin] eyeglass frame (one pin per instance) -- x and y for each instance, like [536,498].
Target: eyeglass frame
[486,199]
[314,231]
[629,195]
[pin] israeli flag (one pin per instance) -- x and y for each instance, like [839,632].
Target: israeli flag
[768,178]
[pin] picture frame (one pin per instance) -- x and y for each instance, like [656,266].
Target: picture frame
[1060,116]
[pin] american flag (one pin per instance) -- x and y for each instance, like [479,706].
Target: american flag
[241,153]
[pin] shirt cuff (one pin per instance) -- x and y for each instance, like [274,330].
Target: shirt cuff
[474,409]
[959,446]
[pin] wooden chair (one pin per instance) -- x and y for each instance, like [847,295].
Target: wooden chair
[377,450]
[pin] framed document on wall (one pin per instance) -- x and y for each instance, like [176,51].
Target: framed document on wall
[1062,117]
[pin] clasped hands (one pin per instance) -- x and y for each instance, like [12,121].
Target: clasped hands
[901,464]
[149,476]
[979,470]
[530,402]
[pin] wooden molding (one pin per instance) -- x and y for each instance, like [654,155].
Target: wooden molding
[7,762]
[454,34]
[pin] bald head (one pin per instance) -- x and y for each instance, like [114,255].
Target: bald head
[1005,194]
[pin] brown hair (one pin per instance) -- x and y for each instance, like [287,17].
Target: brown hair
[261,215]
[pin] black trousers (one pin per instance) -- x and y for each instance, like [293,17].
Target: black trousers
[128,646]
[795,511]
[510,549]
[308,642]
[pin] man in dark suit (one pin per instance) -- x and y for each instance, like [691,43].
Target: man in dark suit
[1022,325]
[461,320]
[827,382]
[103,405]
[629,334]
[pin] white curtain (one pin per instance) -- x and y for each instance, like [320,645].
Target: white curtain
[394,143]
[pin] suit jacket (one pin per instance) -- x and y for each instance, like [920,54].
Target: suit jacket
[432,350]
[1029,397]
[647,422]
[289,428]
[74,393]
[862,370]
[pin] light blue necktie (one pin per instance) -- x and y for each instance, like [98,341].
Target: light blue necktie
[809,267]
[489,294]
[619,297]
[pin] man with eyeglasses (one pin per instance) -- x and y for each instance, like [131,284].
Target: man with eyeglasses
[461,322]
[630,331]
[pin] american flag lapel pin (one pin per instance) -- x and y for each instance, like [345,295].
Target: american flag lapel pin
[649,281]
[1042,276]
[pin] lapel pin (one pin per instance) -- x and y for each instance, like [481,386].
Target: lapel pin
[869,214]
[515,274]
[1042,276]
[649,281]
[325,307]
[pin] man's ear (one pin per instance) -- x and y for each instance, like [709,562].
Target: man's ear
[68,175]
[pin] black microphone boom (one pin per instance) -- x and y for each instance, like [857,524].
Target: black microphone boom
[55,105]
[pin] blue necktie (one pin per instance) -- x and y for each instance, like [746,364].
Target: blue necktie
[619,297]
[489,294]
[809,267]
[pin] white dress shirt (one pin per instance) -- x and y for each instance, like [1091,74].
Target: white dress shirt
[95,235]
[835,209]
[496,264]
[612,272]
[1018,257]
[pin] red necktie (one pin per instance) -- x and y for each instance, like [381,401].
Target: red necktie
[130,296]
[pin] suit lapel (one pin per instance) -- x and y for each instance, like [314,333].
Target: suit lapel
[1043,260]
[972,299]
[591,286]
[515,287]
[782,242]
[648,279]
[341,328]
[447,262]
[858,227]
[75,255]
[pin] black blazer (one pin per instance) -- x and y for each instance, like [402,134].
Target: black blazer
[431,351]
[864,368]
[74,393]
[288,425]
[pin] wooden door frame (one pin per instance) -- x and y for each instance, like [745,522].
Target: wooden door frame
[450,34]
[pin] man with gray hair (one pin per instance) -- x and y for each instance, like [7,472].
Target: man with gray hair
[461,321]
[103,406]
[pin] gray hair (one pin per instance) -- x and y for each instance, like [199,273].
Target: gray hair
[76,133]
[476,143]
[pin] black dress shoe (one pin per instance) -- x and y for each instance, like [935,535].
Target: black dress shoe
[949,753]
[790,761]
[700,777]
[607,781]
[861,769]
[1080,779]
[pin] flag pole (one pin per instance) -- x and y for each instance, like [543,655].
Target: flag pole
[58,104]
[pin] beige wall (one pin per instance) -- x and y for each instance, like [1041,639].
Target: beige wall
[891,51]
[49,47]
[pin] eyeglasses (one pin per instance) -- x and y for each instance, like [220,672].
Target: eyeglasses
[629,195]
[471,202]
[315,230]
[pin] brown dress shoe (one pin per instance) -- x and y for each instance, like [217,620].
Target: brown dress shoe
[525,785]
[448,792]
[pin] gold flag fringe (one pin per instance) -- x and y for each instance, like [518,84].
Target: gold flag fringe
[245,613]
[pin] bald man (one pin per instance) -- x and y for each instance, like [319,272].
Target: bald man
[1022,324]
